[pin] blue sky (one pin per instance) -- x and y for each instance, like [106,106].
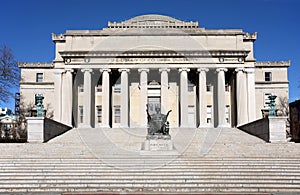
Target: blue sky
[26,25]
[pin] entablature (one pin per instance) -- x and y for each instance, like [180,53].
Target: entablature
[35,64]
[271,64]
[114,54]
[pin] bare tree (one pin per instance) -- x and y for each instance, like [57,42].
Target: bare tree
[283,110]
[9,74]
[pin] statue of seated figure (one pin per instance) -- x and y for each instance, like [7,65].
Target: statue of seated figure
[157,123]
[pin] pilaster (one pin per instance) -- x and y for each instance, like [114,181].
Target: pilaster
[241,97]
[251,94]
[57,94]
[67,97]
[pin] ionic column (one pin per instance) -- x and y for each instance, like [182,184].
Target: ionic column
[164,90]
[202,96]
[124,98]
[241,97]
[251,94]
[184,97]
[87,84]
[57,94]
[143,96]
[67,97]
[105,97]
[221,97]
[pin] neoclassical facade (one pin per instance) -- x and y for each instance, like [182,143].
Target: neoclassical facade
[109,77]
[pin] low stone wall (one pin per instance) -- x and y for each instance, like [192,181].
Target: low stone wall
[53,128]
[40,129]
[271,129]
[258,128]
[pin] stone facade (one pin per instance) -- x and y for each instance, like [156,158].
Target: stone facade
[105,78]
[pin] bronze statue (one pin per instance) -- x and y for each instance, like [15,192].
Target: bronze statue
[157,123]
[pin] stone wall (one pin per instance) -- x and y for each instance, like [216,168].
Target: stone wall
[271,129]
[258,128]
[53,128]
[40,129]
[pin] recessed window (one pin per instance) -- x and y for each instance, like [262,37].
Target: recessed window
[117,114]
[227,113]
[99,88]
[80,88]
[190,87]
[39,77]
[227,87]
[80,114]
[99,114]
[208,114]
[117,88]
[268,76]
[208,88]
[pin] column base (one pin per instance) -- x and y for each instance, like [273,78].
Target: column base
[224,126]
[84,126]
[104,126]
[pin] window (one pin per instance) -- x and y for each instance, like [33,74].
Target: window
[99,114]
[208,114]
[208,88]
[117,88]
[80,88]
[267,100]
[80,114]
[227,113]
[190,87]
[227,87]
[191,115]
[39,77]
[117,114]
[99,88]
[268,76]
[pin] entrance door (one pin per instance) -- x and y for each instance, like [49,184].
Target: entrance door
[153,104]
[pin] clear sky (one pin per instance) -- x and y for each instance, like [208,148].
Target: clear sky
[26,25]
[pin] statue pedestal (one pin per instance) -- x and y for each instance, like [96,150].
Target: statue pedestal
[158,145]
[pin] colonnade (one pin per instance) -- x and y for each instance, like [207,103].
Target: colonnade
[245,98]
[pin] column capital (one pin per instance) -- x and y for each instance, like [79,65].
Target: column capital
[105,70]
[249,70]
[239,69]
[124,69]
[58,71]
[202,69]
[221,69]
[143,69]
[164,69]
[86,70]
[183,69]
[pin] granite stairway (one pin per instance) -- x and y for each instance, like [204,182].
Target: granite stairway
[65,166]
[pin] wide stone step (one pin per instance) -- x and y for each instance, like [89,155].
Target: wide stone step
[4,178]
[151,187]
[141,180]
